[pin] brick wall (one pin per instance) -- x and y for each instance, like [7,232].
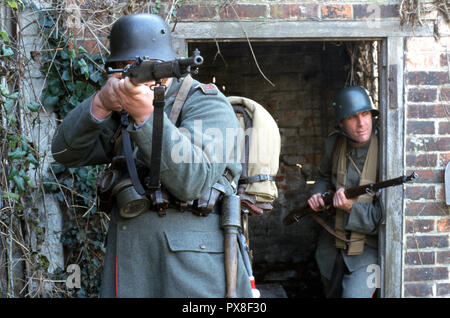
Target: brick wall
[287,10]
[427,149]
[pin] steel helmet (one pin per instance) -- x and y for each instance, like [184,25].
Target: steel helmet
[352,100]
[140,35]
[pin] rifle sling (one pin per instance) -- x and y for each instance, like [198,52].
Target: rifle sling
[157,135]
[331,231]
[128,153]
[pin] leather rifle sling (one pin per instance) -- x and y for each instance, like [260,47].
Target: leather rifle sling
[157,135]
[330,230]
[128,153]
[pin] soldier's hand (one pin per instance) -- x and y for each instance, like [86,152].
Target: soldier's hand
[137,100]
[340,201]
[316,202]
[107,100]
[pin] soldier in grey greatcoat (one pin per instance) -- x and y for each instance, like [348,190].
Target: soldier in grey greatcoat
[179,254]
[350,159]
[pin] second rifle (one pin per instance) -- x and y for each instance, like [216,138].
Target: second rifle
[299,213]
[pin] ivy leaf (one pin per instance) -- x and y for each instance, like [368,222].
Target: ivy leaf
[20,183]
[12,4]
[84,68]
[73,100]
[7,51]
[4,90]
[50,101]
[11,195]
[96,77]
[31,159]
[57,167]
[64,55]
[14,95]
[66,75]
[82,50]
[33,106]
[4,36]
[17,154]
[9,103]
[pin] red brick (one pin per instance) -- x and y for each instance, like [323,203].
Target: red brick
[420,127]
[426,241]
[421,160]
[419,258]
[419,226]
[428,144]
[443,289]
[425,274]
[427,111]
[444,127]
[243,11]
[336,11]
[427,78]
[425,209]
[418,290]
[422,94]
[294,11]
[443,225]
[443,257]
[193,11]
[420,192]
[443,159]
[428,175]
[445,95]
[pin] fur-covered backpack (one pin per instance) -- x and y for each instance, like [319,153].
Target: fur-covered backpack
[260,149]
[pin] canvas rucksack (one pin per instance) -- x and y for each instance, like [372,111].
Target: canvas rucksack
[260,152]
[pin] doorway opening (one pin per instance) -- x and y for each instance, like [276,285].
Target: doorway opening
[296,82]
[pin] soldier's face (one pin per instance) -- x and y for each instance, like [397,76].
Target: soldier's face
[358,127]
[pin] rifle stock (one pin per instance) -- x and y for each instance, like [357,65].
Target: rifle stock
[299,213]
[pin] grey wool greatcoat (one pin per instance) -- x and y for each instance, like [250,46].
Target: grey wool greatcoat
[179,254]
[363,217]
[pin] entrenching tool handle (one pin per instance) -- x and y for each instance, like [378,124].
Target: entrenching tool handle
[231,263]
[230,223]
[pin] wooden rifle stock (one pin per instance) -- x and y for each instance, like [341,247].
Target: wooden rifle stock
[299,213]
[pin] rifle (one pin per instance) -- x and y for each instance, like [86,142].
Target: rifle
[299,213]
[145,70]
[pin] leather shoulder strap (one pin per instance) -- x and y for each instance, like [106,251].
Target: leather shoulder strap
[180,99]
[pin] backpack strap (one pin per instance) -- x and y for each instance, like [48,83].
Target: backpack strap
[181,98]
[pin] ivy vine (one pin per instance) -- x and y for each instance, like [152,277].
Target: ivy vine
[73,74]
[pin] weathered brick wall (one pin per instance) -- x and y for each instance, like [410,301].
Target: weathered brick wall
[199,10]
[427,222]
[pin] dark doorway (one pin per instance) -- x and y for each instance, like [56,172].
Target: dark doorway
[306,75]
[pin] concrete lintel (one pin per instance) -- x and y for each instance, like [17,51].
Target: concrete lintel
[292,30]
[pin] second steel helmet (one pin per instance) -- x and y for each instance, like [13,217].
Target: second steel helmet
[352,100]
[140,35]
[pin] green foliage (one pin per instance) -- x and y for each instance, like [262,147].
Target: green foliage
[19,151]
[73,74]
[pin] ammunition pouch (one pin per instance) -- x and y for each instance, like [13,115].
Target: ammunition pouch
[115,184]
